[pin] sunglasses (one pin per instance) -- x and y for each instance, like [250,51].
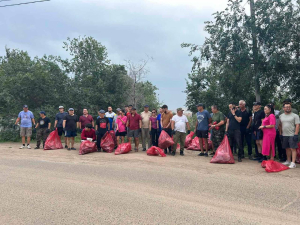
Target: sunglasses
[153,112]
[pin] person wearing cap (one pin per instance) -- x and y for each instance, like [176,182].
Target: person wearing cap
[288,101]
[102,125]
[58,124]
[233,130]
[179,125]
[202,127]
[86,118]
[166,120]
[289,131]
[110,115]
[134,124]
[145,127]
[88,132]
[258,117]
[70,125]
[26,117]
[121,126]
[45,124]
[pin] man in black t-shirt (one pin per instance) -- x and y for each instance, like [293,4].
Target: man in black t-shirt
[45,124]
[233,130]
[70,124]
[258,117]
[102,125]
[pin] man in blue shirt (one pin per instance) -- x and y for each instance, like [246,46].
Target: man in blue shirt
[27,119]
[201,128]
[59,118]
[110,115]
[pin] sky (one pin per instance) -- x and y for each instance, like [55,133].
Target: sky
[130,29]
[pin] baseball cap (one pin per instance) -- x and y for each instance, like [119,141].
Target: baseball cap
[146,106]
[25,106]
[180,109]
[200,104]
[118,109]
[42,112]
[256,103]
[133,108]
[61,107]
[101,111]
[71,109]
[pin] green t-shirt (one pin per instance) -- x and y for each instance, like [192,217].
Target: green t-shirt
[218,117]
[288,123]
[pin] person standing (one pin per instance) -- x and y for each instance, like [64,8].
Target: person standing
[110,115]
[145,127]
[233,130]
[85,119]
[26,117]
[134,124]
[217,127]
[153,126]
[179,125]
[70,125]
[45,124]
[121,126]
[202,127]
[166,118]
[118,113]
[58,124]
[289,130]
[102,126]
[246,127]
[259,115]
[159,120]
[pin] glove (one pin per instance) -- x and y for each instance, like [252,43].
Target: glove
[226,133]
[173,132]
[97,132]
[248,131]
[34,129]
[295,138]
[64,129]
[140,130]
[48,130]
[188,132]
[281,138]
[150,133]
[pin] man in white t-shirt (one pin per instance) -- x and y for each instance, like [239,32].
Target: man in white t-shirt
[179,125]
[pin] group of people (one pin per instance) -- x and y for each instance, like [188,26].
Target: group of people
[265,126]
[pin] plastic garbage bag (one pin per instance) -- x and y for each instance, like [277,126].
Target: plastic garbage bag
[53,141]
[223,154]
[195,145]
[87,147]
[263,164]
[273,166]
[165,140]
[107,143]
[153,151]
[123,148]
[188,139]
[298,154]
[113,135]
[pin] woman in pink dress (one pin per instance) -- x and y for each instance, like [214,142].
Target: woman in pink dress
[268,128]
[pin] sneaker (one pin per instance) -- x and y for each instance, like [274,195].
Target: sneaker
[69,149]
[173,153]
[292,166]
[166,151]
[37,147]
[22,147]
[28,146]
[181,153]
[206,154]
[66,146]
[240,159]
[99,149]
[286,163]
[201,154]
[212,153]
[250,157]
[144,149]
[73,148]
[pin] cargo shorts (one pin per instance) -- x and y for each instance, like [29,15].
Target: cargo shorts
[25,131]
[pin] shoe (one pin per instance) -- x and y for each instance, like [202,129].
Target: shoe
[28,146]
[286,163]
[250,157]
[212,153]
[73,148]
[243,156]
[201,154]
[261,159]
[292,166]
[144,149]
[240,159]
[37,147]
[66,146]
[22,147]
[181,153]
[173,153]
[206,154]
[99,150]
[69,149]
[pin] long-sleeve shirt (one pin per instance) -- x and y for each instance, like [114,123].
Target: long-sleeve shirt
[90,134]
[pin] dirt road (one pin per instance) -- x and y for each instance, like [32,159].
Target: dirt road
[62,187]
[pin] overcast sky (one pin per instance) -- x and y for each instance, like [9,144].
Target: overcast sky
[130,29]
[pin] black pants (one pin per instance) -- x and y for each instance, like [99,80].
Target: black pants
[154,137]
[281,151]
[235,137]
[169,132]
[246,134]
[99,137]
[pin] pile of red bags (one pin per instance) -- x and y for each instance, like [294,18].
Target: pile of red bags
[123,148]
[223,153]
[153,151]
[107,143]
[188,139]
[165,140]
[273,166]
[298,154]
[195,145]
[87,147]
[53,141]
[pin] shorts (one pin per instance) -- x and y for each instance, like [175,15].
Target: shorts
[202,133]
[133,133]
[69,133]
[259,135]
[60,131]
[288,142]
[26,131]
[121,134]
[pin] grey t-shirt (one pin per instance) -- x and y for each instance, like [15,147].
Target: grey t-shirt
[289,122]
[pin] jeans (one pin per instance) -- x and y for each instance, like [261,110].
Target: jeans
[99,137]
[179,136]
[246,134]
[169,132]
[235,137]
[146,136]
[154,137]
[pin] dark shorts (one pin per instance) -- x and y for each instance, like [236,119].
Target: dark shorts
[288,142]
[133,133]
[60,131]
[258,136]
[121,134]
[202,133]
[69,133]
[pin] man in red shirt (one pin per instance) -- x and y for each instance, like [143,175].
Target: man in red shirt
[85,119]
[134,124]
[88,132]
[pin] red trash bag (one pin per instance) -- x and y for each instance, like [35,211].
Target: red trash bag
[263,164]
[107,143]
[273,166]
[188,139]
[194,145]
[165,140]
[156,151]
[87,147]
[123,148]
[113,135]
[223,153]
[298,154]
[53,141]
